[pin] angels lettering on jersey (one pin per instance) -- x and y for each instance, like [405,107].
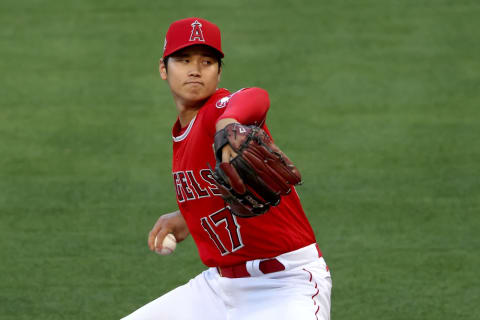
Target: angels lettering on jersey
[191,185]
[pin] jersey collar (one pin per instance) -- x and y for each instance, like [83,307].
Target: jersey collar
[185,133]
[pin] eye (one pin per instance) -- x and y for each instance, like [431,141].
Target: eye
[182,59]
[207,62]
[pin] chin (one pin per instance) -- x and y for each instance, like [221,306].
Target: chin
[193,97]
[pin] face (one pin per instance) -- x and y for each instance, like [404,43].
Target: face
[193,75]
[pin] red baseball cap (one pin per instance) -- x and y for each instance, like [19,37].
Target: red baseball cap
[191,31]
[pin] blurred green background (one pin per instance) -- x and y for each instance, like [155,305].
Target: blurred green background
[376,101]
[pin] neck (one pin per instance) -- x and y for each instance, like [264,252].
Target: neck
[187,111]
[186,116]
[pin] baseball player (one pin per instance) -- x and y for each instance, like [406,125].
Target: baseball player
[263,267]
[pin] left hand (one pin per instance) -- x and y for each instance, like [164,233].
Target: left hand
[258,176]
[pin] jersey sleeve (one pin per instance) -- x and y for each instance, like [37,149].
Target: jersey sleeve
[248,106]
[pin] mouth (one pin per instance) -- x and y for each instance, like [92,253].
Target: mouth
[194,83]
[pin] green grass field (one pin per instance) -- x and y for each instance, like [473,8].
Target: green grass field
[376,101]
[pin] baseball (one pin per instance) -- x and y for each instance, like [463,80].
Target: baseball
[168,245]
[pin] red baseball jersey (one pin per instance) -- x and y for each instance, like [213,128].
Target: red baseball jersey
[223,239]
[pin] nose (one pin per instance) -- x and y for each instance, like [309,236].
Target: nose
[195,69]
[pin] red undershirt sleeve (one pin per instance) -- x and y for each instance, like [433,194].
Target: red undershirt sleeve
[248,106]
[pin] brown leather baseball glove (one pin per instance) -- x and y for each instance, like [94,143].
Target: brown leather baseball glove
[256,179]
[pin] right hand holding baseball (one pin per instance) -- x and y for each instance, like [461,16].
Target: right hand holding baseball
[167,223]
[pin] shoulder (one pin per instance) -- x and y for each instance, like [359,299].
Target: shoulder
[217,99]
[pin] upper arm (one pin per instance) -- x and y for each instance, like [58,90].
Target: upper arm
[248,106]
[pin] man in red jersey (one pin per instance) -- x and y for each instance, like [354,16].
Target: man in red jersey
[266,267]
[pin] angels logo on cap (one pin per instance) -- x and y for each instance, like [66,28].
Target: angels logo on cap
[191,31]
[197,33]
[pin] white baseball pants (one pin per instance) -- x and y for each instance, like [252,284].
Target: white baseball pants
[300,292]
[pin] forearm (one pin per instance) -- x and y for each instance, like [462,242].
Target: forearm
[223,122]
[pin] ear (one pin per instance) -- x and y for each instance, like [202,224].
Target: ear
[162,69]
